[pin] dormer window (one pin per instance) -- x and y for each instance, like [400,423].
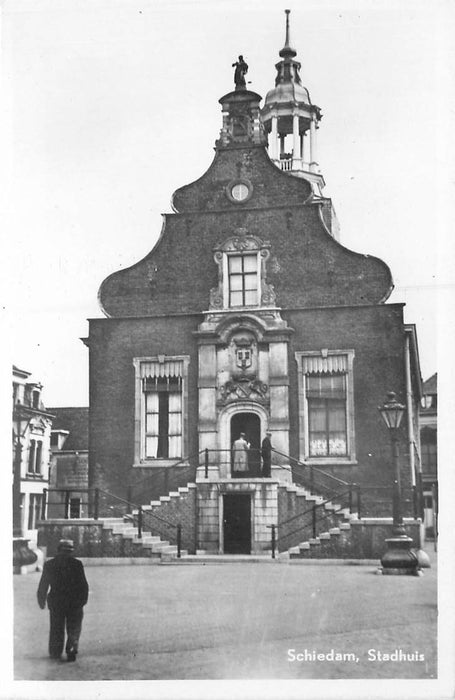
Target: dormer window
[241,262]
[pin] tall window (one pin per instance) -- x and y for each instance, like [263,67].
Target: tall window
[429,450]
[34,510]
[31,456]
[326,396]
[161,413]
[163,419]
[35,456]
[326,406]
[243,279]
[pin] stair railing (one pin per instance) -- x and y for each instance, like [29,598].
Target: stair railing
[63,506]
[185,475]
[312,477]
[149,520]
[318,514]
[226,458]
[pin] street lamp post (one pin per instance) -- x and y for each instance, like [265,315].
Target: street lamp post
[399,558]
[22,555]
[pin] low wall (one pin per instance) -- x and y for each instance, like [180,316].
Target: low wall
[367,537]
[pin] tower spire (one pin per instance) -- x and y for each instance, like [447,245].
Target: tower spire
[287,51]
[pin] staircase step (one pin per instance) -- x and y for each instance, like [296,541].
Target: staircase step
[128,531]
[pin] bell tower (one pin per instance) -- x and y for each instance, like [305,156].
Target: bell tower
[291,120]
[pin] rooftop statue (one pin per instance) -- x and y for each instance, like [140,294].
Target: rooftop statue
[241,69]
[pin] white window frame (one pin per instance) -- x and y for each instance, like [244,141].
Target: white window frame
[227,279]
[140,459]
[304,443]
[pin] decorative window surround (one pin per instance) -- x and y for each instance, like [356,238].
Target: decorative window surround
[150,369]
[255,252]
[325,363]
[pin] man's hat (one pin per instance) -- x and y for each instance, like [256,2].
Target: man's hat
[66,546]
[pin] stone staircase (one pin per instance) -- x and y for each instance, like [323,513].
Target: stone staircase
[331,543]
[181,491]
[126,542]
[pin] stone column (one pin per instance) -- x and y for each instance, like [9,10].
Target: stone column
[296,156]
[279,395]
[207,406]
[313,150]
[273,148]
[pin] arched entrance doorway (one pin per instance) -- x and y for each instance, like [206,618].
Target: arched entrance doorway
[250,424]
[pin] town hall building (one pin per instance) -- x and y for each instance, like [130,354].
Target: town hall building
[250,317]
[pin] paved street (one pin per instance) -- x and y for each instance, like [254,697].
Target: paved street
[237,621]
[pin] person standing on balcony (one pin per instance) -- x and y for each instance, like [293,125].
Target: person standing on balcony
[240,450]
[266,452]
[68,594]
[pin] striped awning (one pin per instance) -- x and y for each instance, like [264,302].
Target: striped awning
[166,368]
[332,364]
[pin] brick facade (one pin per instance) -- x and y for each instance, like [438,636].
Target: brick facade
[312,297]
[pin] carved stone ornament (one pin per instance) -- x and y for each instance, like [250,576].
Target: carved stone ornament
[244,390]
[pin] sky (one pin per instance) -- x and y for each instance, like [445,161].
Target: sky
[111,105]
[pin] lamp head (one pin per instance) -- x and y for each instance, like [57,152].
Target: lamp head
[392,411]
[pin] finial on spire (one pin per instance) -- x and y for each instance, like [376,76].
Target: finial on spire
[286,43]
[287,51]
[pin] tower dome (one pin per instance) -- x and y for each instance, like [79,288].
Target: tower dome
[291,119]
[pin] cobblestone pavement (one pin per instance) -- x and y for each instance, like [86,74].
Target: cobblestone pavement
[237,621]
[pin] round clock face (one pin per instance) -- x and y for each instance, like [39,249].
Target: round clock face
[239,192]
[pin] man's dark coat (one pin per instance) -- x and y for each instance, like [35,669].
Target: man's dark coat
[65,577]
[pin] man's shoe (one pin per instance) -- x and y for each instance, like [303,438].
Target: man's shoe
[71,656]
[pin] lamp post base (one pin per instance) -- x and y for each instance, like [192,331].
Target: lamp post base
[399,559]
[22,555]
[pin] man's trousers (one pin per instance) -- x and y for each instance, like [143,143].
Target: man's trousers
[61,617]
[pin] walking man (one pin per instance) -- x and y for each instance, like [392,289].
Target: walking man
[266,452]
[68,594]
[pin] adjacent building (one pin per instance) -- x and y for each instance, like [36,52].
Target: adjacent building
[68,479]
[32,424]
[429,453]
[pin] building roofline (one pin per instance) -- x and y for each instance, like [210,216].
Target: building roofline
[198,314]
[21,372]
